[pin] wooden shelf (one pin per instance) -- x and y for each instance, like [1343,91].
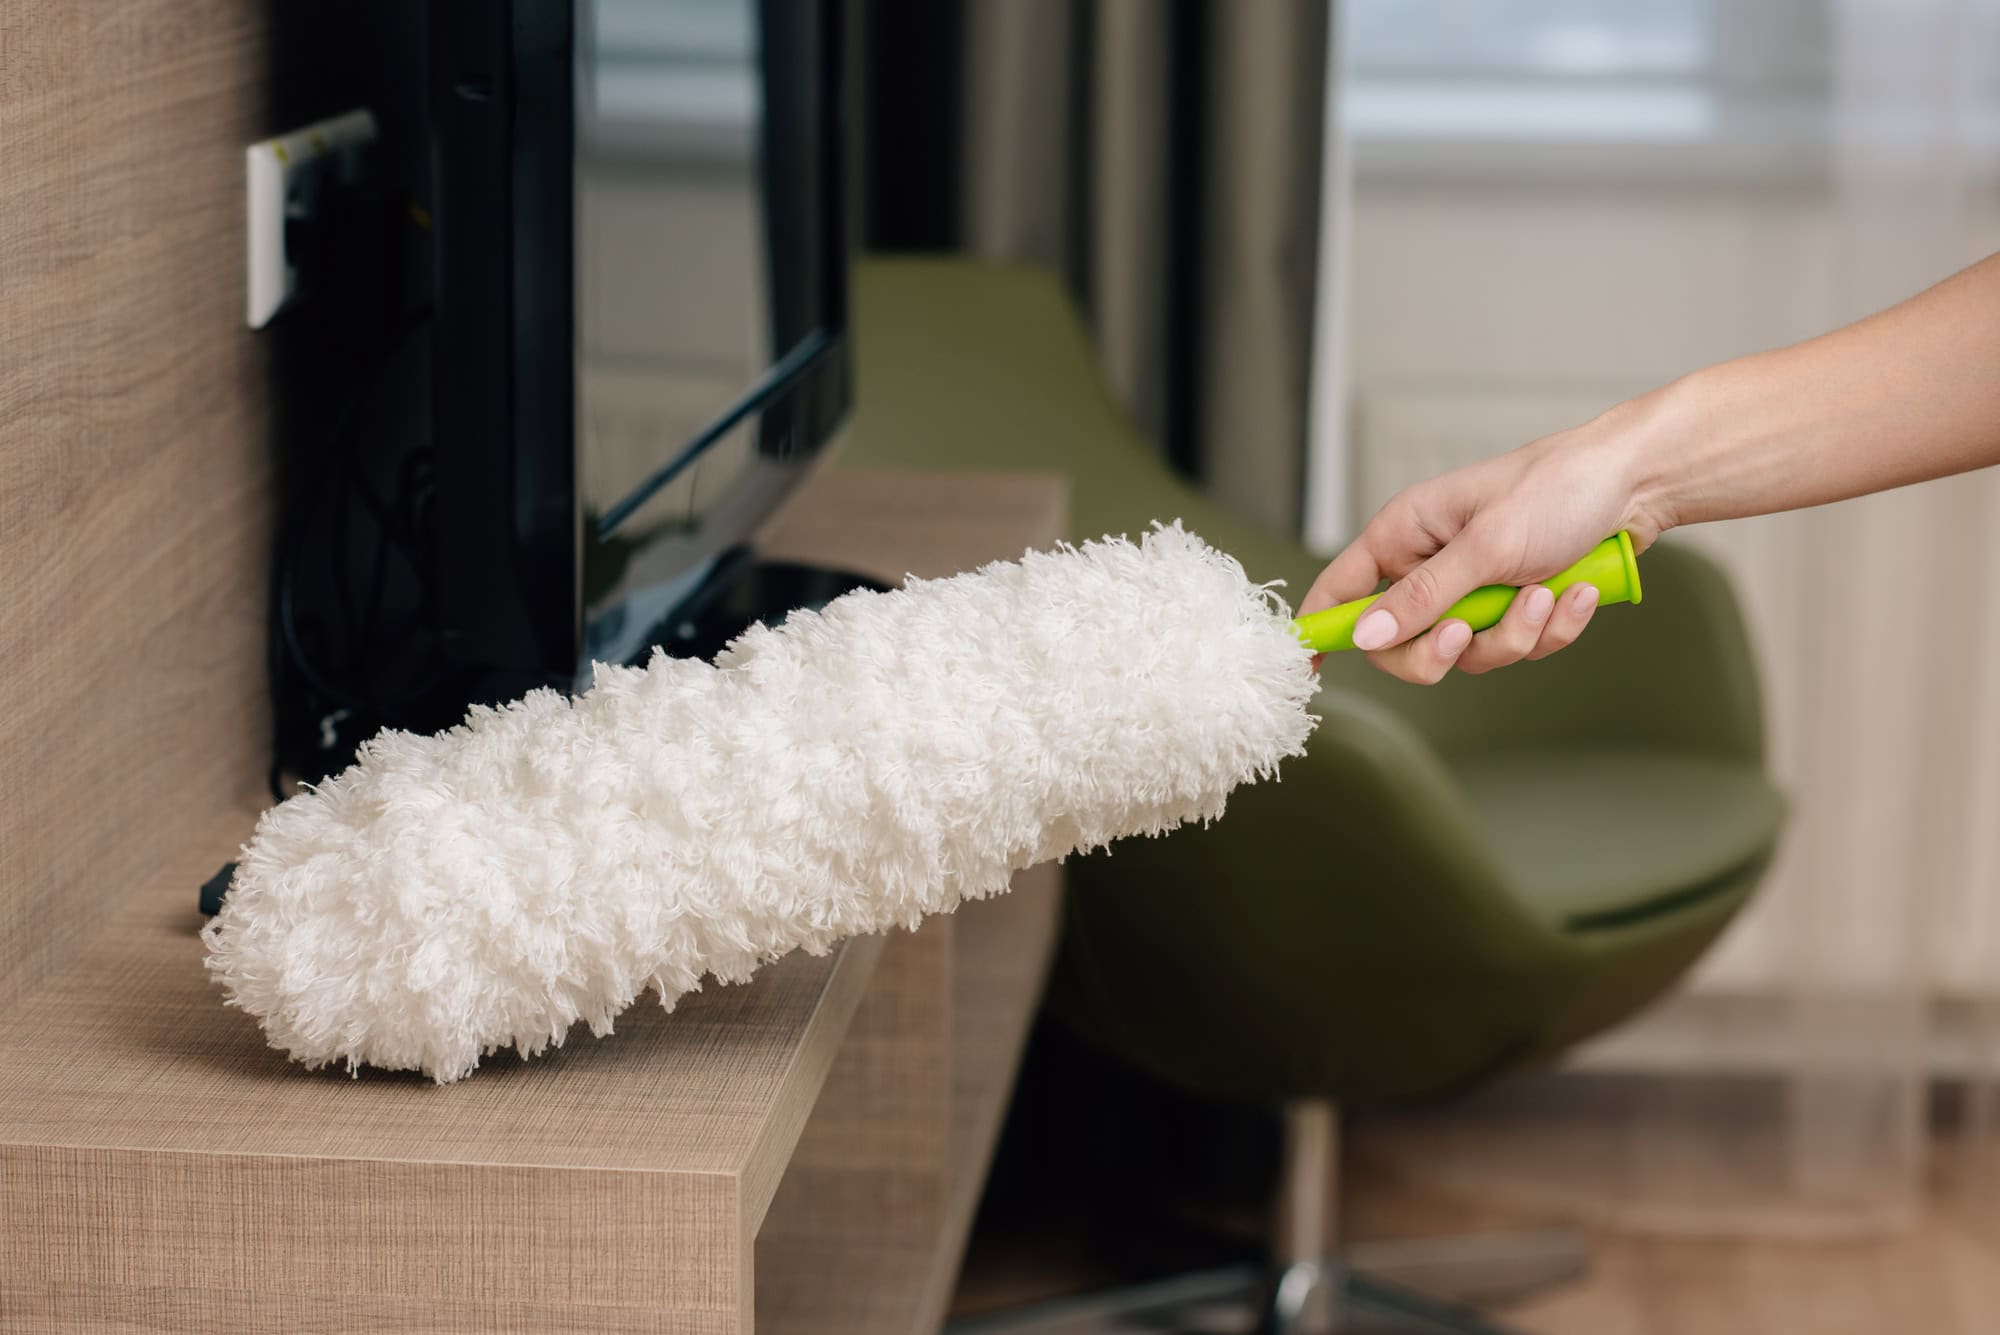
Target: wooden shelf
[867,1231]
[162,1169]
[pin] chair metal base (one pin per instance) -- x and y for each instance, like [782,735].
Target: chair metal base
[1428,1284]
[1420,1286]
[1480,1269]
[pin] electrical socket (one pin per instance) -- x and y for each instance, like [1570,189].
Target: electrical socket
[284,177]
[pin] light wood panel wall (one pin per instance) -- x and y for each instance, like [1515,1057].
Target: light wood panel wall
[133,456]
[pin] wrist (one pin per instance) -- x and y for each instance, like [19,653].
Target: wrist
[1650,443]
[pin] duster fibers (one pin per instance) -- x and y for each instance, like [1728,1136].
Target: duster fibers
[843,773]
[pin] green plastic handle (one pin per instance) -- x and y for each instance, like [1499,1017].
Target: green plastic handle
[1611,566]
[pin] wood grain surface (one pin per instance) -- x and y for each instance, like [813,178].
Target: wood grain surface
[161,1169]
[134,472]
[866,1235]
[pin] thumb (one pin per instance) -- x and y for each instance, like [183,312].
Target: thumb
[1419,599]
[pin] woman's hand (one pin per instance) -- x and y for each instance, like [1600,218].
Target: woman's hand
[1513,519]
[1903,396]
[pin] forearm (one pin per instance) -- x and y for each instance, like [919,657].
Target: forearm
[1910,394]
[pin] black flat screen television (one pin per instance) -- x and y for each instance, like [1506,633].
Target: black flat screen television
[640,320]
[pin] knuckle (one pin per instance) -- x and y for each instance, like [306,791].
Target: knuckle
[1514,636]
[1429,673]
[1476,540]
[1383,522]
[1389,527]
[1554,641]
[1422,587]
[1484,657]
[1396,665]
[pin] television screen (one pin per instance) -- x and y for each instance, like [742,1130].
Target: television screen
[702,194]
[641,313]
[626,241]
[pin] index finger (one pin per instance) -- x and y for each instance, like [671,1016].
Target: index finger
[1352,574]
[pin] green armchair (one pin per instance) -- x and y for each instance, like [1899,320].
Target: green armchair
[1523,859]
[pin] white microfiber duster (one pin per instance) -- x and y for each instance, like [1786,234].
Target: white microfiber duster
[847,772]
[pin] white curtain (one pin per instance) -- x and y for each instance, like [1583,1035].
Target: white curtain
[1845,1040]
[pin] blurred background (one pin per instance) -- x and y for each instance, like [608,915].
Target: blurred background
[1673,960]
[1326,250]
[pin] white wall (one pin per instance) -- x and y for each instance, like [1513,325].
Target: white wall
[1552,287]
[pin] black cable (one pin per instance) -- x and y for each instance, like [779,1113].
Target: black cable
[335,247]
[336,463]
[378,572]
[303,660]
[292,537]
[343,595]
[393,528]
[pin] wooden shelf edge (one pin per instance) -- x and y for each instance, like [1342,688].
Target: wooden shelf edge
[1003,963]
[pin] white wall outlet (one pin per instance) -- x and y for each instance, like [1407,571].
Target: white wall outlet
[284,178]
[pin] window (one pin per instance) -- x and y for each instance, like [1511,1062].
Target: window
[1531,39]
[1587,72]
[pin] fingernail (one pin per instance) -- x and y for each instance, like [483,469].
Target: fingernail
[1453,638]
[1375,630]
[1586,598]
[1540,603]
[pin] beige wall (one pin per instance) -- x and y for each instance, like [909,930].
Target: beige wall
[1560,286]
[133,458]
